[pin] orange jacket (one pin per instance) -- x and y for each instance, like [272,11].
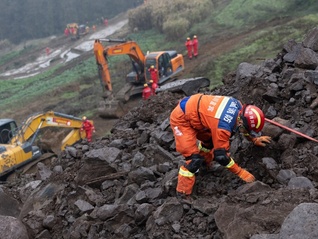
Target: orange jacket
[146,93]
[87,126]
[197,115]
[195,44]
[154,74]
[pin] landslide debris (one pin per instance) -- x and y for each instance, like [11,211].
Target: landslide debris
[123,185]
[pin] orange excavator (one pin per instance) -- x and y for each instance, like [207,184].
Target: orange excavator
[169,65]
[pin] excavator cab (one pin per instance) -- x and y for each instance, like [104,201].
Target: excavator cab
[162,62]
[168,63]
[7,127]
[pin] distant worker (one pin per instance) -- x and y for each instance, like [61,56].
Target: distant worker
[66,32]
[154,74]
[88,127]
[195,44]
[106,22]
[212,120]
[154,86]
[94,28]
[146,92]
[48,51]
[87,29]
[188,45]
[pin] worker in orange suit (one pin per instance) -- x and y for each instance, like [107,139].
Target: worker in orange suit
[211,120]
[146,92]
[88,127]
[66,32]
[48,51]
[154,74]
[154,86]
[195,44]
[188,45]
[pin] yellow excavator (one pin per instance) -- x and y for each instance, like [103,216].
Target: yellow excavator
[169,65]
[17,144]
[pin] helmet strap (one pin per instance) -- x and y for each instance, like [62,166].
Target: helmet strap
[245,123]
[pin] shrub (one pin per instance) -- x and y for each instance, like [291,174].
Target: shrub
[140,18]
[176,28]
[164,15]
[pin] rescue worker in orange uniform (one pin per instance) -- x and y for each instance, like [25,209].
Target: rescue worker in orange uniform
[66,32]
[195,44]
[48,51]
[154,74]
[211,120]
[146,92]
[188,45]
[154,86]
[88,127]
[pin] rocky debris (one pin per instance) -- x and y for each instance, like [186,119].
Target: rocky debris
[123,185]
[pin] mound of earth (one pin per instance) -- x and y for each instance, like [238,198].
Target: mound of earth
[123,185]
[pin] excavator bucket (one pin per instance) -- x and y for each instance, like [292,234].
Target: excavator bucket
[188,86]
[111,109]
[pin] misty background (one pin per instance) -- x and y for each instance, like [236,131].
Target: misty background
[21,20]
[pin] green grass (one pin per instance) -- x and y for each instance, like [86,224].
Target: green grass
[12,91]
[265,44]
[241,13]
[14,54]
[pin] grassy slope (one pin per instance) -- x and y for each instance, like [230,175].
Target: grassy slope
[263,27]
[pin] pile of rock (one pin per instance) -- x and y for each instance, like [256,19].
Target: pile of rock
[123,185]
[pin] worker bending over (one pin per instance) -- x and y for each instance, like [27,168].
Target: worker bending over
[212,120]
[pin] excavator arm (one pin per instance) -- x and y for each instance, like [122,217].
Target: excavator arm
[112,106]
[123,47]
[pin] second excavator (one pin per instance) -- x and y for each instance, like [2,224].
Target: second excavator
[169,65]
[17,144]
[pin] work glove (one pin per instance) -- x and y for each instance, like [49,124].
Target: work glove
[241,172]
[246,176]
[261,141]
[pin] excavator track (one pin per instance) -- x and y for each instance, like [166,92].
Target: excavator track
[187,86]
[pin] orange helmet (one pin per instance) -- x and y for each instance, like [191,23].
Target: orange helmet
[253,118]
[84,118]
[151,81]
[145,85]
